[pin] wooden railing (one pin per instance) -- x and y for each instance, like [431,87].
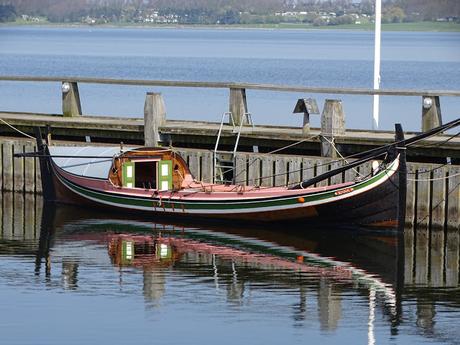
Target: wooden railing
[332,118]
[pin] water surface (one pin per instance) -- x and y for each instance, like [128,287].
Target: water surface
[73,276]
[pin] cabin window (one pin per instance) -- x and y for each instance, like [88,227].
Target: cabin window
[165,175]
[128,174]
[146,175]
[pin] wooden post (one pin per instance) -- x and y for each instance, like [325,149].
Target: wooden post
[29,170]
[332,125]
[423,199]
[154,118]
[295,165]
[438,202]
[71,105]
[18,168]
[240,173]
[431,113]
[8,172]
[280,172]
[254,170]
[238,106]
[267,171]
[206,166]
[194,164]
[410,195]
[453,199]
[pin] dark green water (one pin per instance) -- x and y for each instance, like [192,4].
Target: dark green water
[74,276]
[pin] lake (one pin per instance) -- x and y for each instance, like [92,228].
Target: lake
[73,276]
[77,276]
[413,60]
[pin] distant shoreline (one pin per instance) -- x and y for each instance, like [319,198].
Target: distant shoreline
[417,26]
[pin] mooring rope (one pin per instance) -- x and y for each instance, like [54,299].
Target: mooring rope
[331,142]
[433,178]
[17,130]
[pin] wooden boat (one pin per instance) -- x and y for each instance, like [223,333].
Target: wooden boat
[157,181]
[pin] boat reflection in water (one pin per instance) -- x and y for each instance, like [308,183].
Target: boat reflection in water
[240,260]
[341,281]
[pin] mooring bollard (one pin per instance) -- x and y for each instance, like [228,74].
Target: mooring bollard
[431,113]
[238,106]
[306,106]
[154,118]
[332,125]
[71,105]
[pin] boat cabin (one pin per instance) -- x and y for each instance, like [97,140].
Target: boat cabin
[150,168]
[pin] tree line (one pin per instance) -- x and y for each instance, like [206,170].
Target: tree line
[227,11]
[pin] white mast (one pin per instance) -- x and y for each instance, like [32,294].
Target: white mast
[378,20]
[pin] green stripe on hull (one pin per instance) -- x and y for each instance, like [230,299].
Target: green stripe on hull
[123,201]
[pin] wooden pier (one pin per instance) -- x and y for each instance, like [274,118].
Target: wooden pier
[72,125]
[434,170]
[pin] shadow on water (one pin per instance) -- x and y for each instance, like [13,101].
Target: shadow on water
[408,280]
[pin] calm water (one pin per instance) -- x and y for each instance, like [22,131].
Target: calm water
[313,58]
[69,276]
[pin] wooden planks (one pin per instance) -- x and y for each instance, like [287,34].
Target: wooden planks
[18,168]
[7,166]
[453,199]
[438,200]
[423,199]
[29,170]
[254,170]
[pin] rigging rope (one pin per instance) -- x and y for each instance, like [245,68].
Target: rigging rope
[17,130]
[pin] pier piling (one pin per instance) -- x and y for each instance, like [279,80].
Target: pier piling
[431,113]
[71,105]
[154,118]
[238,106]
[332,125]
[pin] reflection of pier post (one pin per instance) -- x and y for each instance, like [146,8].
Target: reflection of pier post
[329,305]
[30,232]
[7,198]
[154,285]
[425,315]
[452,257]
[437,257]
[433,255]
[300,309]
[70,275]
[235,290]
[46,235]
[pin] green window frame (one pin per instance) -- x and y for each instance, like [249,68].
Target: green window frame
[128,174]
[165,175]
